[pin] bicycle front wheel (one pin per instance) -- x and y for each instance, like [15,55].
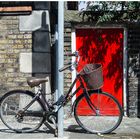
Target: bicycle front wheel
[11,111]
[102,114]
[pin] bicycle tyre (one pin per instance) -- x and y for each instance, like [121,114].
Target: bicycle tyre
[103,120]
[11,103]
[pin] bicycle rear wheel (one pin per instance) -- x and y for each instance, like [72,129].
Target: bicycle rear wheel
[11,107]
[102,115]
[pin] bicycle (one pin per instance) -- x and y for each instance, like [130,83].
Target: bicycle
[25,111]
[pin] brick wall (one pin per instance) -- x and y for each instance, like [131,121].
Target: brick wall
[12,43]
[67,73]
[134,71]
[67,49]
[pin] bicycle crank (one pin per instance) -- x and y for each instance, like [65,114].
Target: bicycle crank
[51,117]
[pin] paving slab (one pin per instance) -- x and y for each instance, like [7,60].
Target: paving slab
[129,129]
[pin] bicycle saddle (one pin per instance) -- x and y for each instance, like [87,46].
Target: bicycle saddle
[33,81]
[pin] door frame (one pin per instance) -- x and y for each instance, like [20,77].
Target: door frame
[125,58]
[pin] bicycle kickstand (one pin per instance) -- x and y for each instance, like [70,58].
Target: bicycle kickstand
[55,125]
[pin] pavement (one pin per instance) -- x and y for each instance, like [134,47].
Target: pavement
[129,129]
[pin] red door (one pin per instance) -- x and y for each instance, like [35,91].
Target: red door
[104,46]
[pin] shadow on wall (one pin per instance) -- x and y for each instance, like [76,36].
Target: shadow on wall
[94,44]
[41,54]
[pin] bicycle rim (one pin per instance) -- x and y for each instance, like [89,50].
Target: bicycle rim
[105,118]
[15,101]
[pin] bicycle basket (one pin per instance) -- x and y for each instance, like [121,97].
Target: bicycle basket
[93,76]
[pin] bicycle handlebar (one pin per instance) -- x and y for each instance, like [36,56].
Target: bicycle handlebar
[73,54]
[70,54]
[65,67]
[69,65]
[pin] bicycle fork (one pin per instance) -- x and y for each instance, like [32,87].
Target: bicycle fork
[87,96]
[91,105]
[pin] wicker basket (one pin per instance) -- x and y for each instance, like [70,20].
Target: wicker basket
[93,76]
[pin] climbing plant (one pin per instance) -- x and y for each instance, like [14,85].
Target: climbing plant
[111,11]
